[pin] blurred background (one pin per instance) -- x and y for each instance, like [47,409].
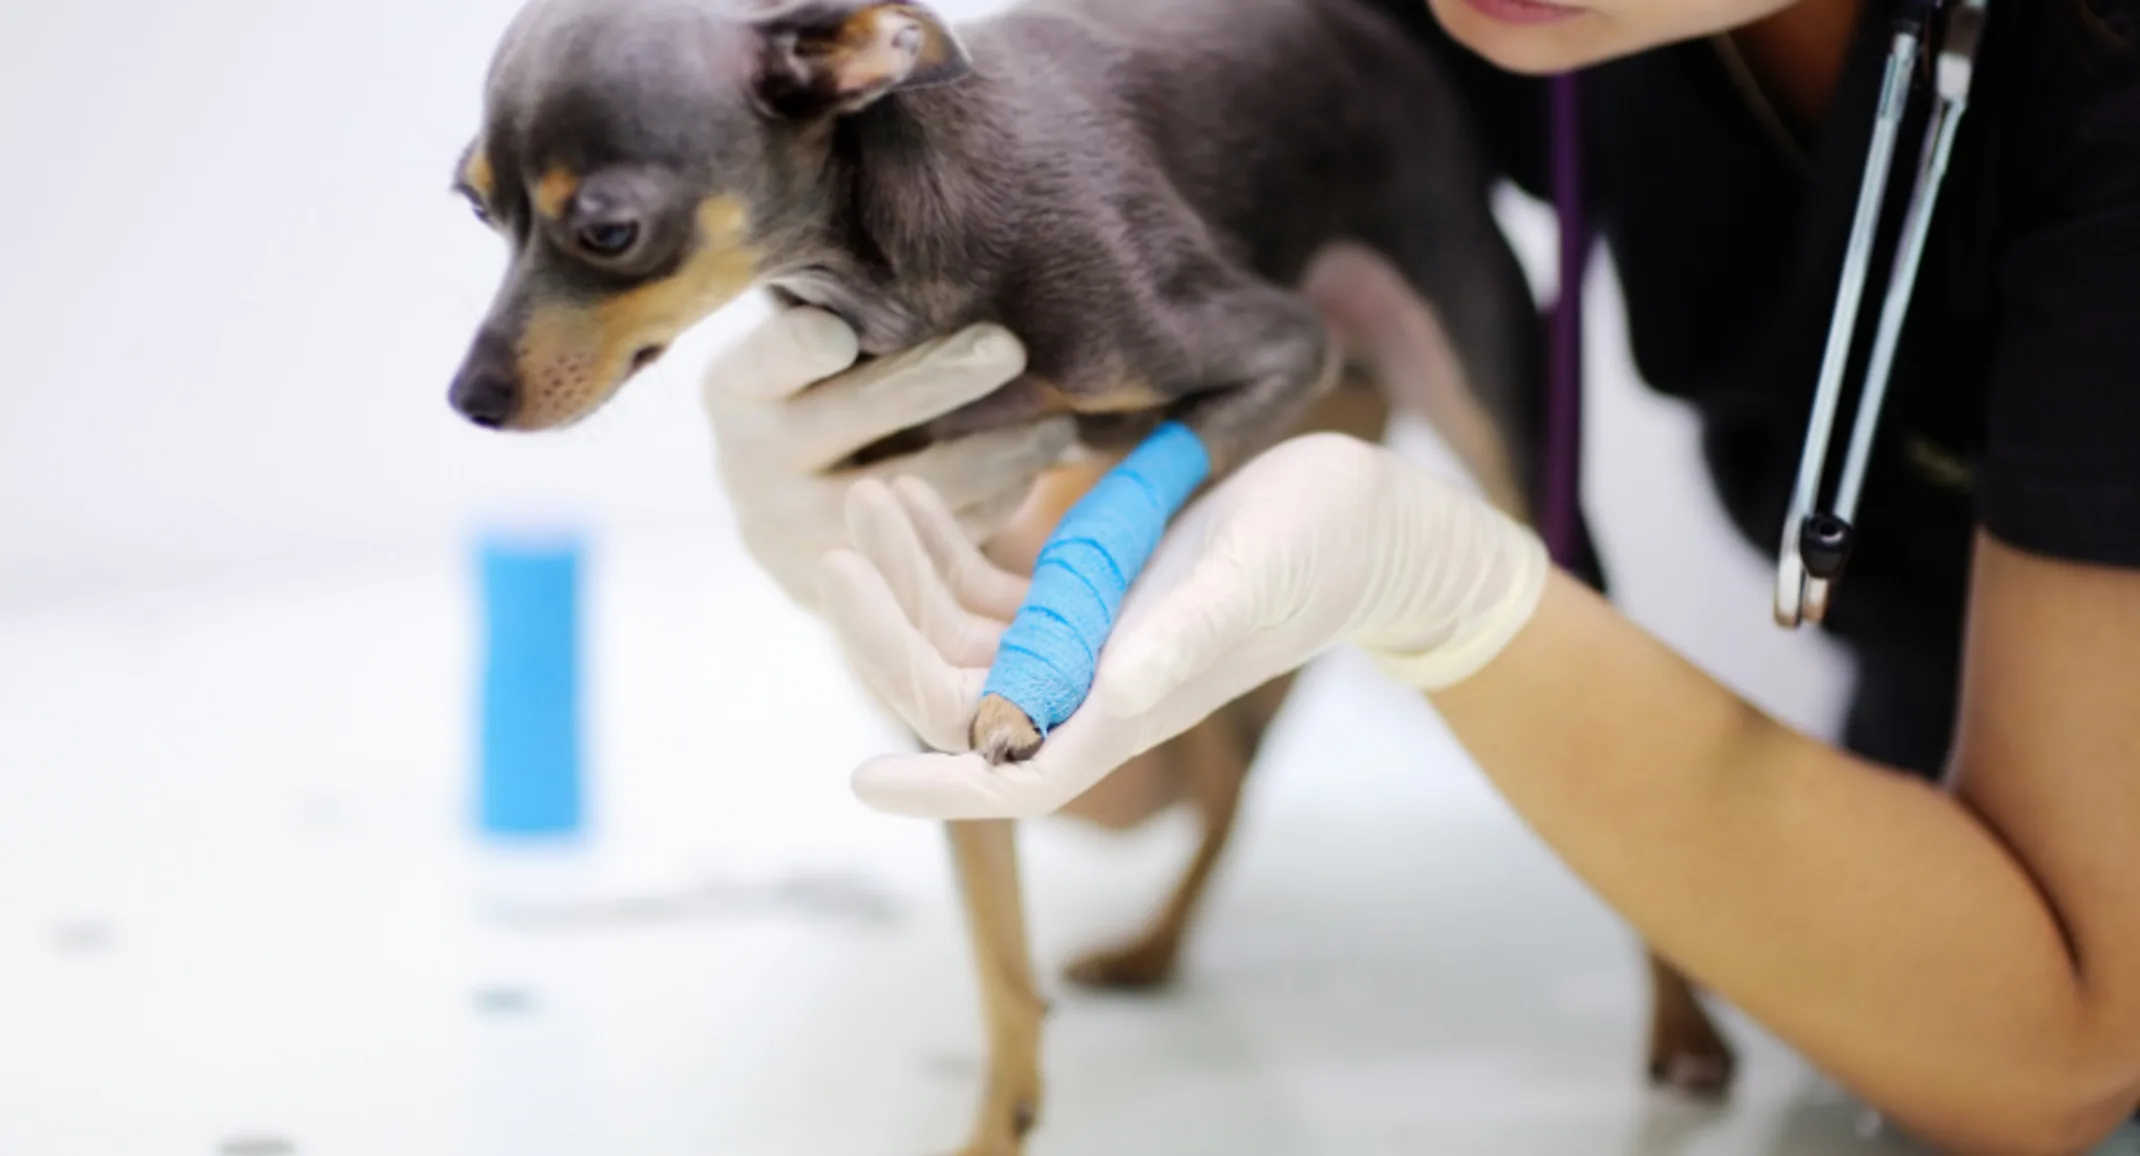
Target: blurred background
[243,908]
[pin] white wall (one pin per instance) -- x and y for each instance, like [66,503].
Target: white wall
[236,287]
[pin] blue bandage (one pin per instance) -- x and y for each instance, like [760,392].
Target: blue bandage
[1048,658]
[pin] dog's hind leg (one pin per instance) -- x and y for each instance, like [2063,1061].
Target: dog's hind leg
[1382,321]
[986,858]
[1212,761]
[1405,343]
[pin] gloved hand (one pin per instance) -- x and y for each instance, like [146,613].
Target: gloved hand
[1323,540]
[787,404]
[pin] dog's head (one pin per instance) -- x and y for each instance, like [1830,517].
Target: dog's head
[646,161]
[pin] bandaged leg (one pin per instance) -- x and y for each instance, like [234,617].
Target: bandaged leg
[1048,658]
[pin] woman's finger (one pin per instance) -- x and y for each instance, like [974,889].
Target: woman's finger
[791,351]
[1080,753]
[979,585]
[882,531]
[982,521]
[1076,757]
[985,466]
[953,788]
[826,424]
[899,665]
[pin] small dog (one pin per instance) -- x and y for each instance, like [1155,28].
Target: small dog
[1147,192]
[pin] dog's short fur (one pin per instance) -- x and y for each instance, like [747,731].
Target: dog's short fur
[1145,191]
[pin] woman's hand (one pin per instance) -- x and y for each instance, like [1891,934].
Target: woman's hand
[787,404]
[1323,540]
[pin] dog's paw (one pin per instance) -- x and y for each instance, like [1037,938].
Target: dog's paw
[1023,1114]
[1002,1148]
[1689,1056]
[1143,967]
[1009,1110]
[1002,733]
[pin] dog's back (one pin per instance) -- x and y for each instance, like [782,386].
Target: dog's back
[1280,122]
[1108,155]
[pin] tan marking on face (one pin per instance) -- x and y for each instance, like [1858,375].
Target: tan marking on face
[723,221]
[477,175]
[572,358]
[554,191]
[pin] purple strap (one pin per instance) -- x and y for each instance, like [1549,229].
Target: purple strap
[1561,521]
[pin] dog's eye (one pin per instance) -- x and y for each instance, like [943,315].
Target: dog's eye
[475,204]
[609,240]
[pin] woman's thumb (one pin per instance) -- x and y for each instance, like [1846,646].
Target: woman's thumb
[1190,629]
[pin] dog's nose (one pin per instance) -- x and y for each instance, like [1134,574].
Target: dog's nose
[484,397]
[487,390]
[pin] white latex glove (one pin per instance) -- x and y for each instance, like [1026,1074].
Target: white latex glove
[1323,540]
[787,404]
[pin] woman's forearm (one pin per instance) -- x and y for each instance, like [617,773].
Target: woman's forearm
[1866,917]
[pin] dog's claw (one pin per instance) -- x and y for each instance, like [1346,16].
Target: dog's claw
[1701,1077]
[1693,1061]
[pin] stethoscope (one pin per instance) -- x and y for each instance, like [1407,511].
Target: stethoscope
[1817,538]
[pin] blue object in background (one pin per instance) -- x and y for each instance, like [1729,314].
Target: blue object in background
[531,703]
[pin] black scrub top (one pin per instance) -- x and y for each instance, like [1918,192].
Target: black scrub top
[2015,402]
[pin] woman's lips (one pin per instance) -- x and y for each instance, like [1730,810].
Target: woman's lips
[1522,11]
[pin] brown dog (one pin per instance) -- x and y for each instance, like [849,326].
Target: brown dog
[1140,190]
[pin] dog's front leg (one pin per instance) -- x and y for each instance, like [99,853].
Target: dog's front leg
[986,858]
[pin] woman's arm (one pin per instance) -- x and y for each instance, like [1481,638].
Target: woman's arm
[1968,960]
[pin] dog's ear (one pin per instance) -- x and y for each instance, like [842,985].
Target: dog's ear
[832,57]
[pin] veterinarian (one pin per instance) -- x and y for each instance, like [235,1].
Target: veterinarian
[1943,911]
